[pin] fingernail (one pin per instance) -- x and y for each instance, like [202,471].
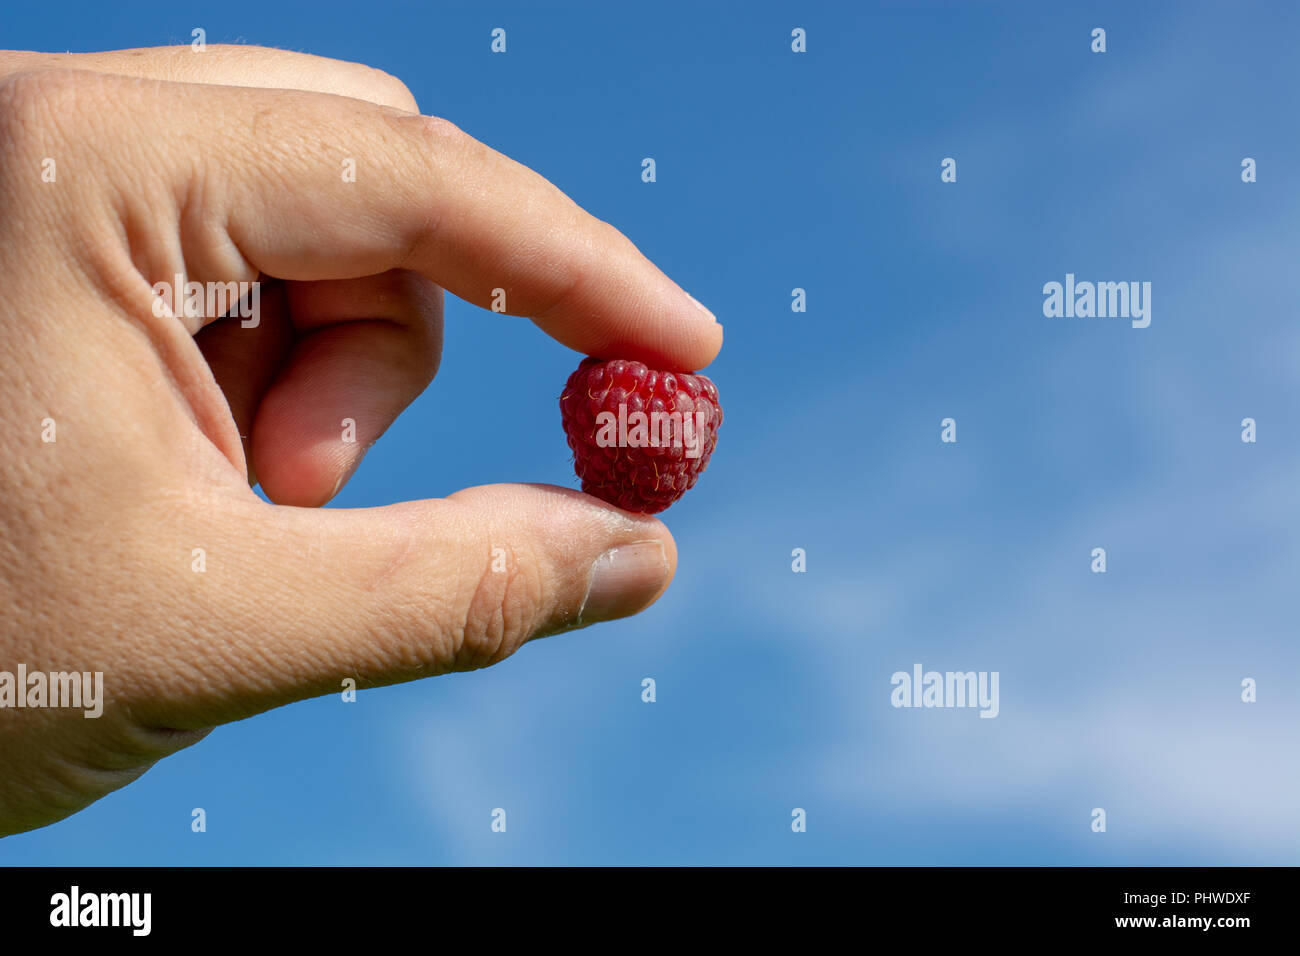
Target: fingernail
[698,305]
[623,581]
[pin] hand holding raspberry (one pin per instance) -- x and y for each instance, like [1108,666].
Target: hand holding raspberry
[165,421]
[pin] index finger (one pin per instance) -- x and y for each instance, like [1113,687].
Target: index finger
[422,195]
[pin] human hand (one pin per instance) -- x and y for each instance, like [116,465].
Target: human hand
[135,436]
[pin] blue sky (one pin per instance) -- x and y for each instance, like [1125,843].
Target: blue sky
[820,171]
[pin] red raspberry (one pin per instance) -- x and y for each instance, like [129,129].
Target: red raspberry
[640,438]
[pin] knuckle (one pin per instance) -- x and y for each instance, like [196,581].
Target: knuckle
[607,237]
[30,103]
[51,115]
[52,91]
[502,612]
[435,134]
[438,153]
[50,120]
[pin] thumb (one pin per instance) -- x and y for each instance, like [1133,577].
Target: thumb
[306,598]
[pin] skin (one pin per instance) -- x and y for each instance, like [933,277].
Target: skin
[225,165]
